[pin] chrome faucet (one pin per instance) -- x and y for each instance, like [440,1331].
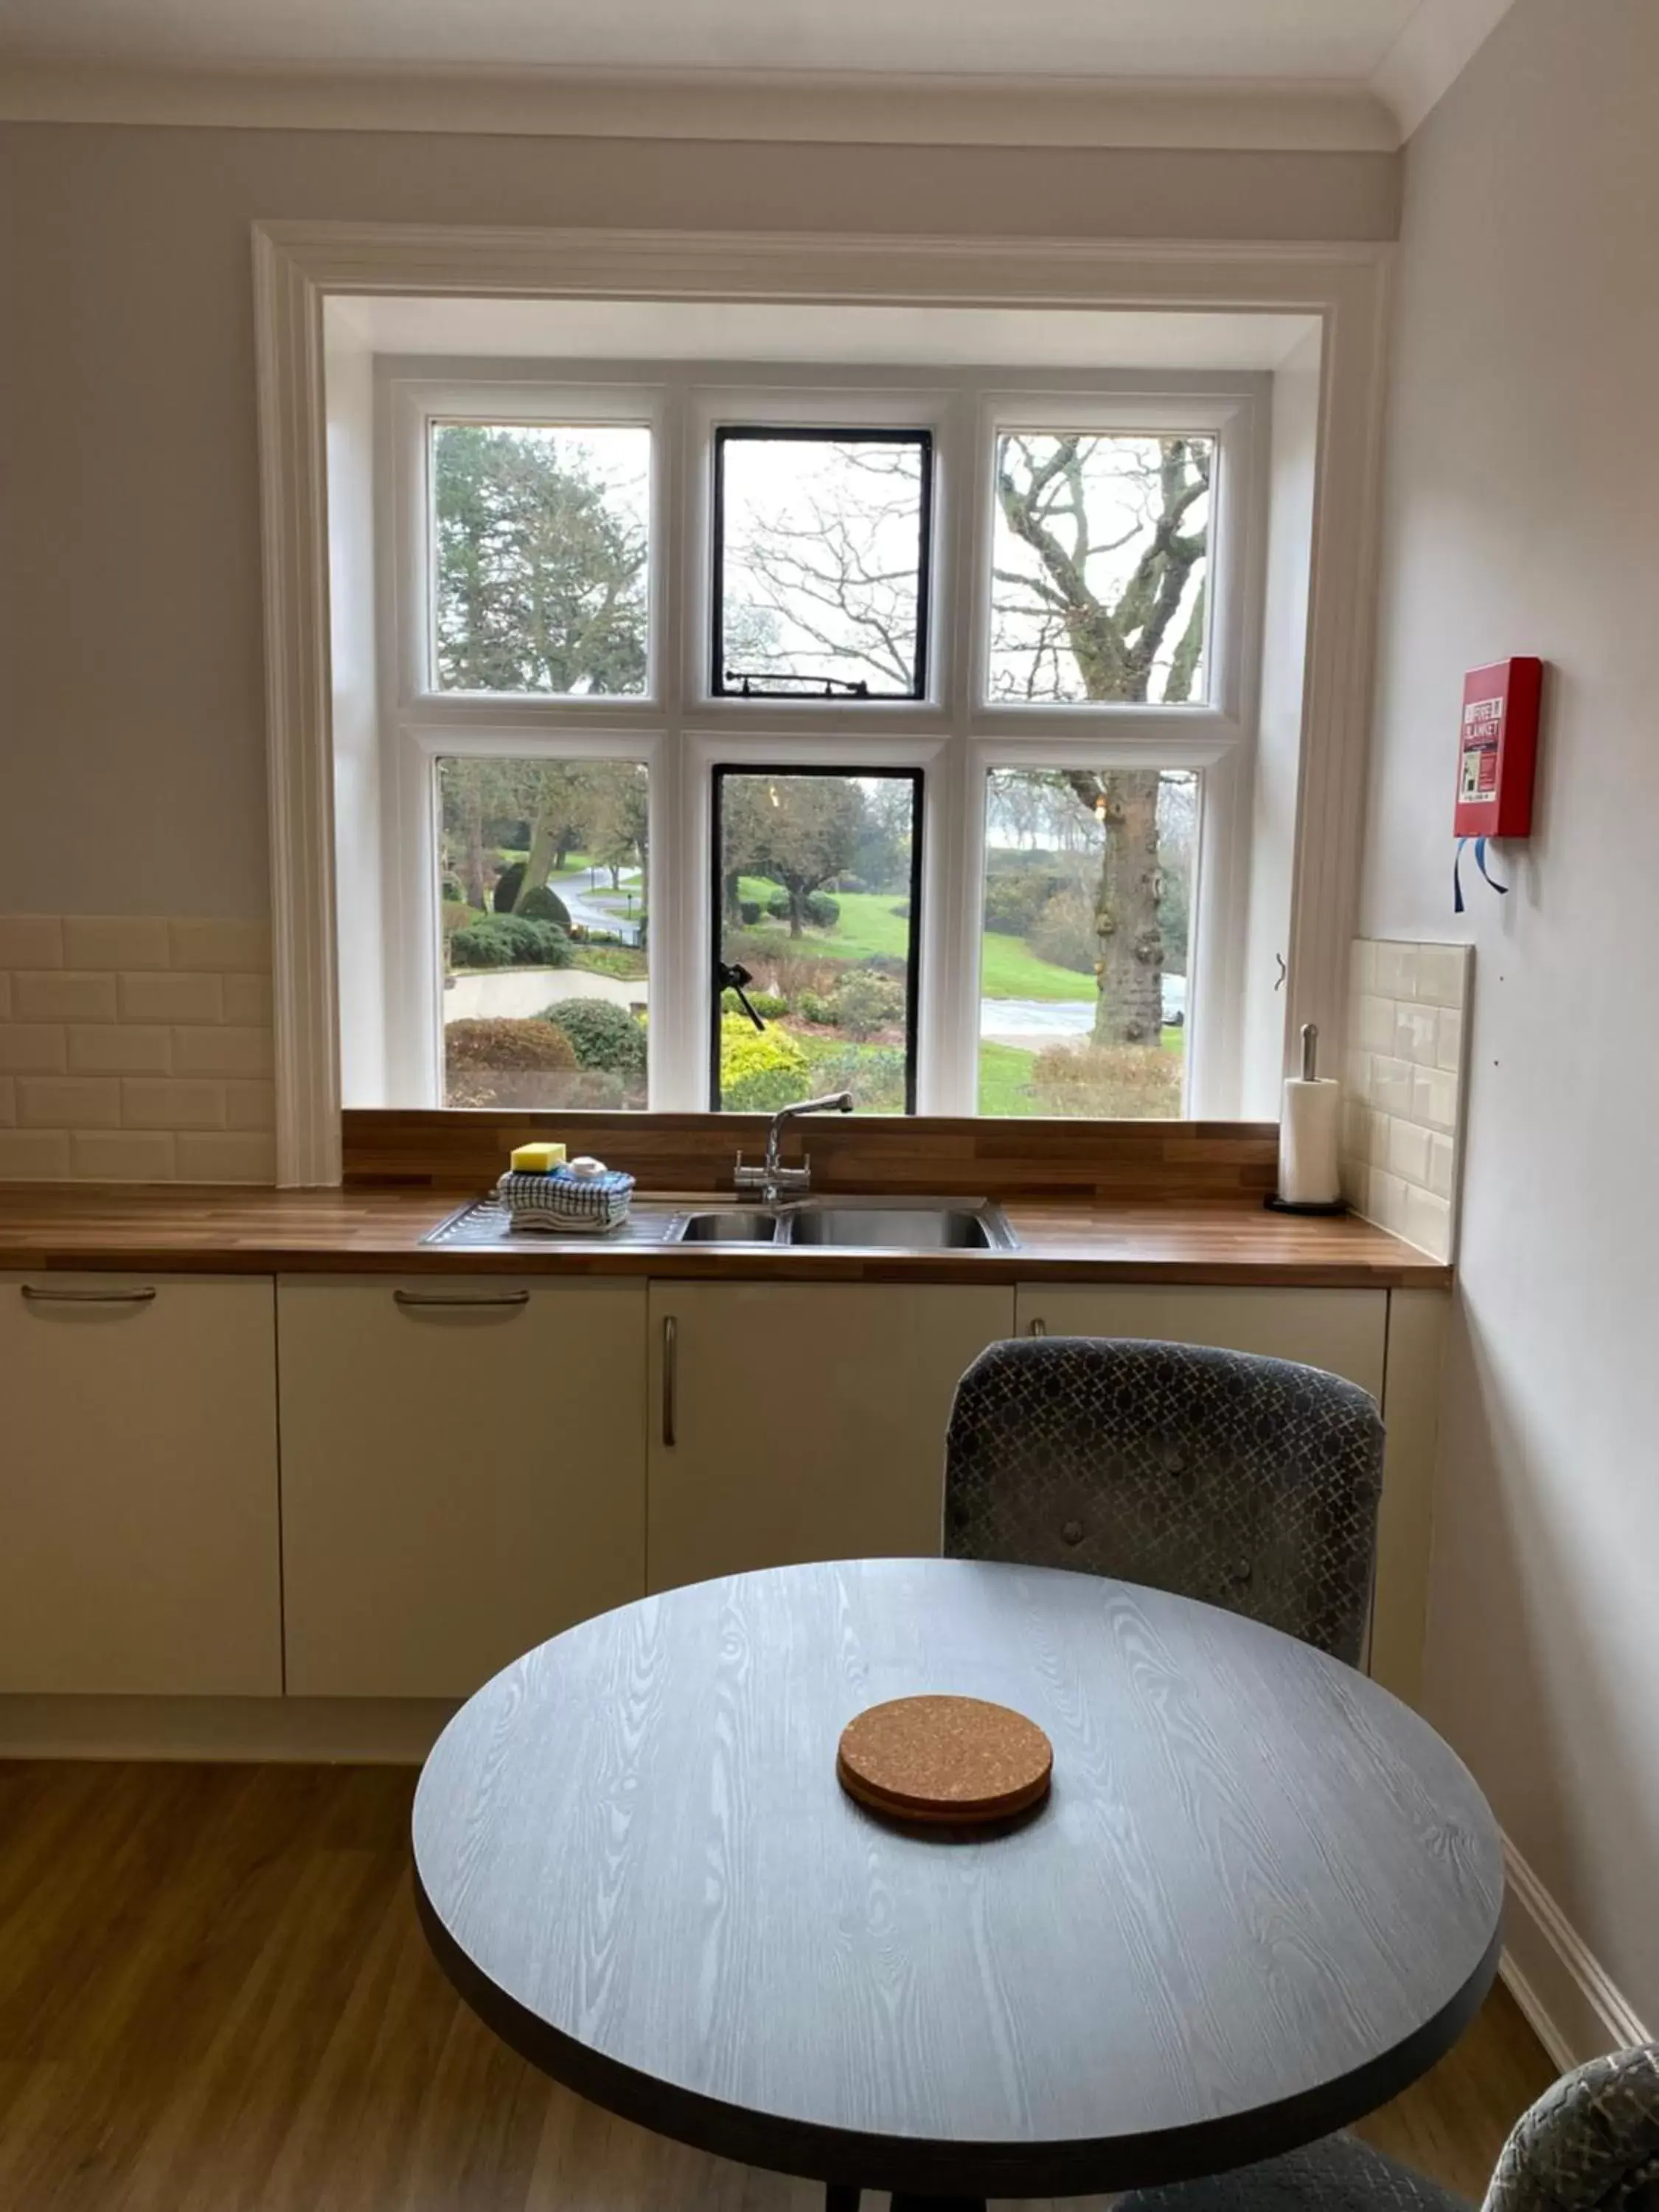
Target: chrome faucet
[774,1180]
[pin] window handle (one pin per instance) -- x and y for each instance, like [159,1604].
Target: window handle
[37,1297]
[670,1379]
[428,1300]
[728,976]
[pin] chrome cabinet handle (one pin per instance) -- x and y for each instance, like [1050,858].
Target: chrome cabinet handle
[669,1365]
[426,1299]
[37,1297]
[1038,1328]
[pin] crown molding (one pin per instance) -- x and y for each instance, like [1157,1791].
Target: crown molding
[1048,112]
[1436,46]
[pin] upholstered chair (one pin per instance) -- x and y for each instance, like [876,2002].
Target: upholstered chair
[1249,1482]
[1589,2144]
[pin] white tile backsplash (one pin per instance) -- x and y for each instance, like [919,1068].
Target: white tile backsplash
[1405,1074]
[136,1048]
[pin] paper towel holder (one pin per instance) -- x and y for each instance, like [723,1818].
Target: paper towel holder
[1272,1201]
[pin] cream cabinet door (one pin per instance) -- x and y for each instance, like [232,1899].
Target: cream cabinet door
[138,1515]
[1345,1331]
[463,1474]
[804,1421]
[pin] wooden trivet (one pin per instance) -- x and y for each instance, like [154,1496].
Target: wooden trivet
[944,1758]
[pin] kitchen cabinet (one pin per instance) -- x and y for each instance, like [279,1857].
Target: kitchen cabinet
[138,1497]
[462,1474]
[1345,1331]
[799,1421]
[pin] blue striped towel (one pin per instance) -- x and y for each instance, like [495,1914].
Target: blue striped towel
[563,1201]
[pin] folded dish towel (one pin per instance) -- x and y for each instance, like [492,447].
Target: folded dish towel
[584,1197]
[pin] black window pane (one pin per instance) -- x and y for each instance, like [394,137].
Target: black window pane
[816,885]
[821,554]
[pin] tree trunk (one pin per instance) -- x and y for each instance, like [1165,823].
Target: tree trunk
[544,850]
[797,908]
[476,891]
[1129,973]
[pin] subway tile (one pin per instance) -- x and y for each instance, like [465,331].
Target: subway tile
[1443,974]
[34,1155]
[1352,1139]
[1376,1138]
[69,1102]
[119,1048]
[1396,970]
[1362,967]
[171,997]
[1377,1024]
[1442,1165]
[33,1049]
[249,1106]
[31,940]
[165,1102]
[1408,1152]
[1391,1087]
[123,1155]
[221,1051]
[1385,1199]
[8,1101]
[1356,1070]
[115,941]
[1428,1222]
[247,999]
[247,1155]
[218,946]
[1448,1046]
[63,996]
[1434,1098]
[1416,1034]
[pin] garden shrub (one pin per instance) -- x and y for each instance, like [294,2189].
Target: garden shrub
[867,1002]
[822,911]
[770,1006]
[748,912]
[901,911]
[478,947]
[545,904]
[1063,932]
[813,1007]
[502,1043]
[1014,897]
[1124,1081]
[760,1069]
[874,1073]
[606,1037]
[778,906]
[510,940]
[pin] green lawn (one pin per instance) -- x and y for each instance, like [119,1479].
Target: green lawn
[868,925]
[1005,1079]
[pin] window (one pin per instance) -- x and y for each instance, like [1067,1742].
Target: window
[540,549]
[816,887]
[542,902]
[821,552]
[1098,566]
[926,704]
[1087,931]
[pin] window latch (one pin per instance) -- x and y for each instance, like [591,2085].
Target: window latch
[728,976]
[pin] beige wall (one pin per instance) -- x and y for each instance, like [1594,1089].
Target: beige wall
[131,761]
[1523,485]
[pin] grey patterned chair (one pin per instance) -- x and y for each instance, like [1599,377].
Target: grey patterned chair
[1589,2144]
[1249,1482]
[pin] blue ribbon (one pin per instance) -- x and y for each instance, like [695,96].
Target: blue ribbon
[1480,863]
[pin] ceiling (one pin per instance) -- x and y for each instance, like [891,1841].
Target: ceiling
[1362,60]
[1309,39]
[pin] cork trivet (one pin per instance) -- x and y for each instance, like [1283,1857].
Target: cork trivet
[944,1758]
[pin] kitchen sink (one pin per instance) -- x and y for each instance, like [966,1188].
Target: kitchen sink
[901,1228]
[730,1225]
[850,1225]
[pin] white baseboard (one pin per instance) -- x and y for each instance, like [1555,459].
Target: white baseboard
[325,1731]
[1566,1993]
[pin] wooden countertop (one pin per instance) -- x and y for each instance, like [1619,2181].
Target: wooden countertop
[175,1230]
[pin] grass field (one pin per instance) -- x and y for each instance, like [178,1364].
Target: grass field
[868,925]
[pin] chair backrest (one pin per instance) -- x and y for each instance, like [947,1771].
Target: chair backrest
[1249,1482]
[1589,2144]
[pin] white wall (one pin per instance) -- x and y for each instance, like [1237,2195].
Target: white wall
[1523,517]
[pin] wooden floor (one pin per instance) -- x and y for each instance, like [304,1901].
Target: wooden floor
[214,1997]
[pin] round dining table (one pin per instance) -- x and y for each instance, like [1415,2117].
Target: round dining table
[1262,1897]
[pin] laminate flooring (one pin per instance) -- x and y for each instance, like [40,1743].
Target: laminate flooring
[214,1998]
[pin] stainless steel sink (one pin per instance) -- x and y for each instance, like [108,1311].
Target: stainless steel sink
[907,1228]
[730,1225]
[845,1224]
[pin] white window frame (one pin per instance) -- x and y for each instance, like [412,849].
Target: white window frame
[681,731]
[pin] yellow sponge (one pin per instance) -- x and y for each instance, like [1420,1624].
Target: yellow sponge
[537,1159]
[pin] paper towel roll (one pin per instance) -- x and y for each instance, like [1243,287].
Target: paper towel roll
[1308,1127]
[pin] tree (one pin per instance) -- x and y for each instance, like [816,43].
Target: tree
[800,830]
[541,565]
[1072,623]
